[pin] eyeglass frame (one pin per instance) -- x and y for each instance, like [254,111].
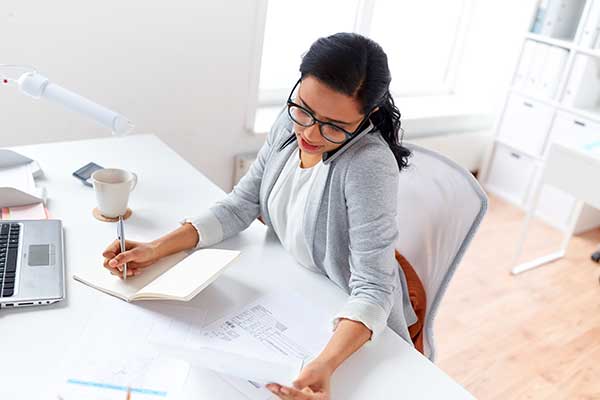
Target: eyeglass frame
[348,135]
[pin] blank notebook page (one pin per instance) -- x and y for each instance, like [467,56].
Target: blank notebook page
[191,274]
[101,278]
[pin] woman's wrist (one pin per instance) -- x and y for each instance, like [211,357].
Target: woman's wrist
[155,245]
[185,237]
[329,364]
[348,337]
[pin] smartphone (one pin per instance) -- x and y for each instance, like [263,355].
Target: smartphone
[85,173]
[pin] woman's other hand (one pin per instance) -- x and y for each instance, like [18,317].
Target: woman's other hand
[138,255]
[313,383]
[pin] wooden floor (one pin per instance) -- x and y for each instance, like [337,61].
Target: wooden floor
[531,336]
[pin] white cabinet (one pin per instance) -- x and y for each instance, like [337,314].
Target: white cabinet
[525,124]
[502,178]
[555,206]
[574,129]
[555,96]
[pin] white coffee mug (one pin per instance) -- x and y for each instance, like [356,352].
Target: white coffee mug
[112,187]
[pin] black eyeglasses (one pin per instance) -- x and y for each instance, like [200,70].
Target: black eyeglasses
[331,132]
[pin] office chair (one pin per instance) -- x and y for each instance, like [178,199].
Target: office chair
[440,207]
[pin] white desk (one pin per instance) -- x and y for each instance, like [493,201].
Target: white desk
[35,339]
[576,171]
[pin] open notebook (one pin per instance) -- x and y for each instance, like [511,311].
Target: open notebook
[173,278]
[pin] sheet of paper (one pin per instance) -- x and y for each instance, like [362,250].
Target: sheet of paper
[257,369]
[9,159]
[266,341]
[107,361]
[19,177]
[146,378]
[34,211]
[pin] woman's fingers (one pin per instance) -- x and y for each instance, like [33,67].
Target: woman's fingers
[130,272]
[131,264]
[122,258]
[115,248]
[133,269]
[290,393]
[136,257]
[112,250]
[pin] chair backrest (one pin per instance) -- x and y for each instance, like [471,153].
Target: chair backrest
[440,206]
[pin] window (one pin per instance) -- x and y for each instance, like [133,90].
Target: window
[422,39]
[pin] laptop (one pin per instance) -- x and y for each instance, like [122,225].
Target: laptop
[32,271]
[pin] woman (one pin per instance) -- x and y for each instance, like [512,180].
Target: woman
[326,181]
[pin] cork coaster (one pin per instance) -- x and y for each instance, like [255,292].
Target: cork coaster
[102,218]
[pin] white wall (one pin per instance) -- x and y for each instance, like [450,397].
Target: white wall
[178,69]
[492,47]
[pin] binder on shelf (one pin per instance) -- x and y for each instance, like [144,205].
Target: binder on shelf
[522,72]
[533,83]
[583,87]
[575,79]
[540,14]
[591,29]
[561,18]
[555,60]
[540,67]
[550,17]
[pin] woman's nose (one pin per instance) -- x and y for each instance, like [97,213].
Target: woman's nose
[313,134]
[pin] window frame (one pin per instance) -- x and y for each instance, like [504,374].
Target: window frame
[362,24]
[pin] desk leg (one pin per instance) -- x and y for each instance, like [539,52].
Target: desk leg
[525,227]
[538,262]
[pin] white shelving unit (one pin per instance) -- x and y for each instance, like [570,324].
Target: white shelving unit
[555,92]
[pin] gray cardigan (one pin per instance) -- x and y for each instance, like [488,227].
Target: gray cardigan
[350,222]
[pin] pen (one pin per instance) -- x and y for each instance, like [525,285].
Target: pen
[121,234]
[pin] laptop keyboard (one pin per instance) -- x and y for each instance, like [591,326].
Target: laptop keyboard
[9,247]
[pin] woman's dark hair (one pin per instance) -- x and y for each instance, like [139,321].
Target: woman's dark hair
[357,66]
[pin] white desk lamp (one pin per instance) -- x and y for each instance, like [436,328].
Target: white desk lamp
[36,85]
[32,83]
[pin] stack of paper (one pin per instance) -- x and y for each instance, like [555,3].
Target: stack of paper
[19,197]
[34,211]
[540,68]
[266,341]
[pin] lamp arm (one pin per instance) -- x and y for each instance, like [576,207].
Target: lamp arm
[38,86]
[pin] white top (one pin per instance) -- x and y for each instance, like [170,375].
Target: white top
[287,204]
